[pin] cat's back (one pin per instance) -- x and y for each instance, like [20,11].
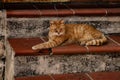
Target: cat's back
[75,30]
[79,27]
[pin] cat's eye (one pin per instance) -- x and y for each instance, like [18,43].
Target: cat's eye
[60,29]
[56,30]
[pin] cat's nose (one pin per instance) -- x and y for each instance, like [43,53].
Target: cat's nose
[58,32]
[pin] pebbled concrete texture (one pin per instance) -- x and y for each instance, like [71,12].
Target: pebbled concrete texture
[2,40]
[36,27]
[39,65]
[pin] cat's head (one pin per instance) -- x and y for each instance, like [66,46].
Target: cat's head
[57,28]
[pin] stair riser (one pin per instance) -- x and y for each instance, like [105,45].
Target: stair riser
[45,64]
[36,27]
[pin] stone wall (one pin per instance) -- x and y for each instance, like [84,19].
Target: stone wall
[2,41]
[36,27]
[38,65]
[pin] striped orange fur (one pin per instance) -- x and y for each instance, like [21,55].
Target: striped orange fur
[62,34]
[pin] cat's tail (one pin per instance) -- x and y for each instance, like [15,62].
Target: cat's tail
[97,42]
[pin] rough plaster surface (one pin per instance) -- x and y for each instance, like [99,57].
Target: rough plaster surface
[39,65]
[36,27]
[2,64]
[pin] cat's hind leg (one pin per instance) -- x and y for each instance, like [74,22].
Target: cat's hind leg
[96,42]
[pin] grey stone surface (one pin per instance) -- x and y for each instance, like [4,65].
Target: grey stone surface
[1,69]
[1,24]
[38,65]
[36,27]
[2,28]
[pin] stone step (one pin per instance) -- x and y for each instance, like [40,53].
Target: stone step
[23,46]
[64,12]
[77,76]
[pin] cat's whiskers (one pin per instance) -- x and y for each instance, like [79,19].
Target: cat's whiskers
[57,34]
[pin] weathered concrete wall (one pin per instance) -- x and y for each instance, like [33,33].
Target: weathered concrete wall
[39,65]
[2,40]
[36,27]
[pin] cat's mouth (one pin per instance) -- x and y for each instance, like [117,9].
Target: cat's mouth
[60,34]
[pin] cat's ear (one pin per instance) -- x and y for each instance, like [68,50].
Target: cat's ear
[62,21]
[51,22]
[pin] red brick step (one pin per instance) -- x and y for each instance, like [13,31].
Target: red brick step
[105,75]
[64,12]
[23,46]
[78,76]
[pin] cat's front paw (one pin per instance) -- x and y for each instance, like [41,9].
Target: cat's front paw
[34,48]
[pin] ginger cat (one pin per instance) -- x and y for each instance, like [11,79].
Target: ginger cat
[62,34]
